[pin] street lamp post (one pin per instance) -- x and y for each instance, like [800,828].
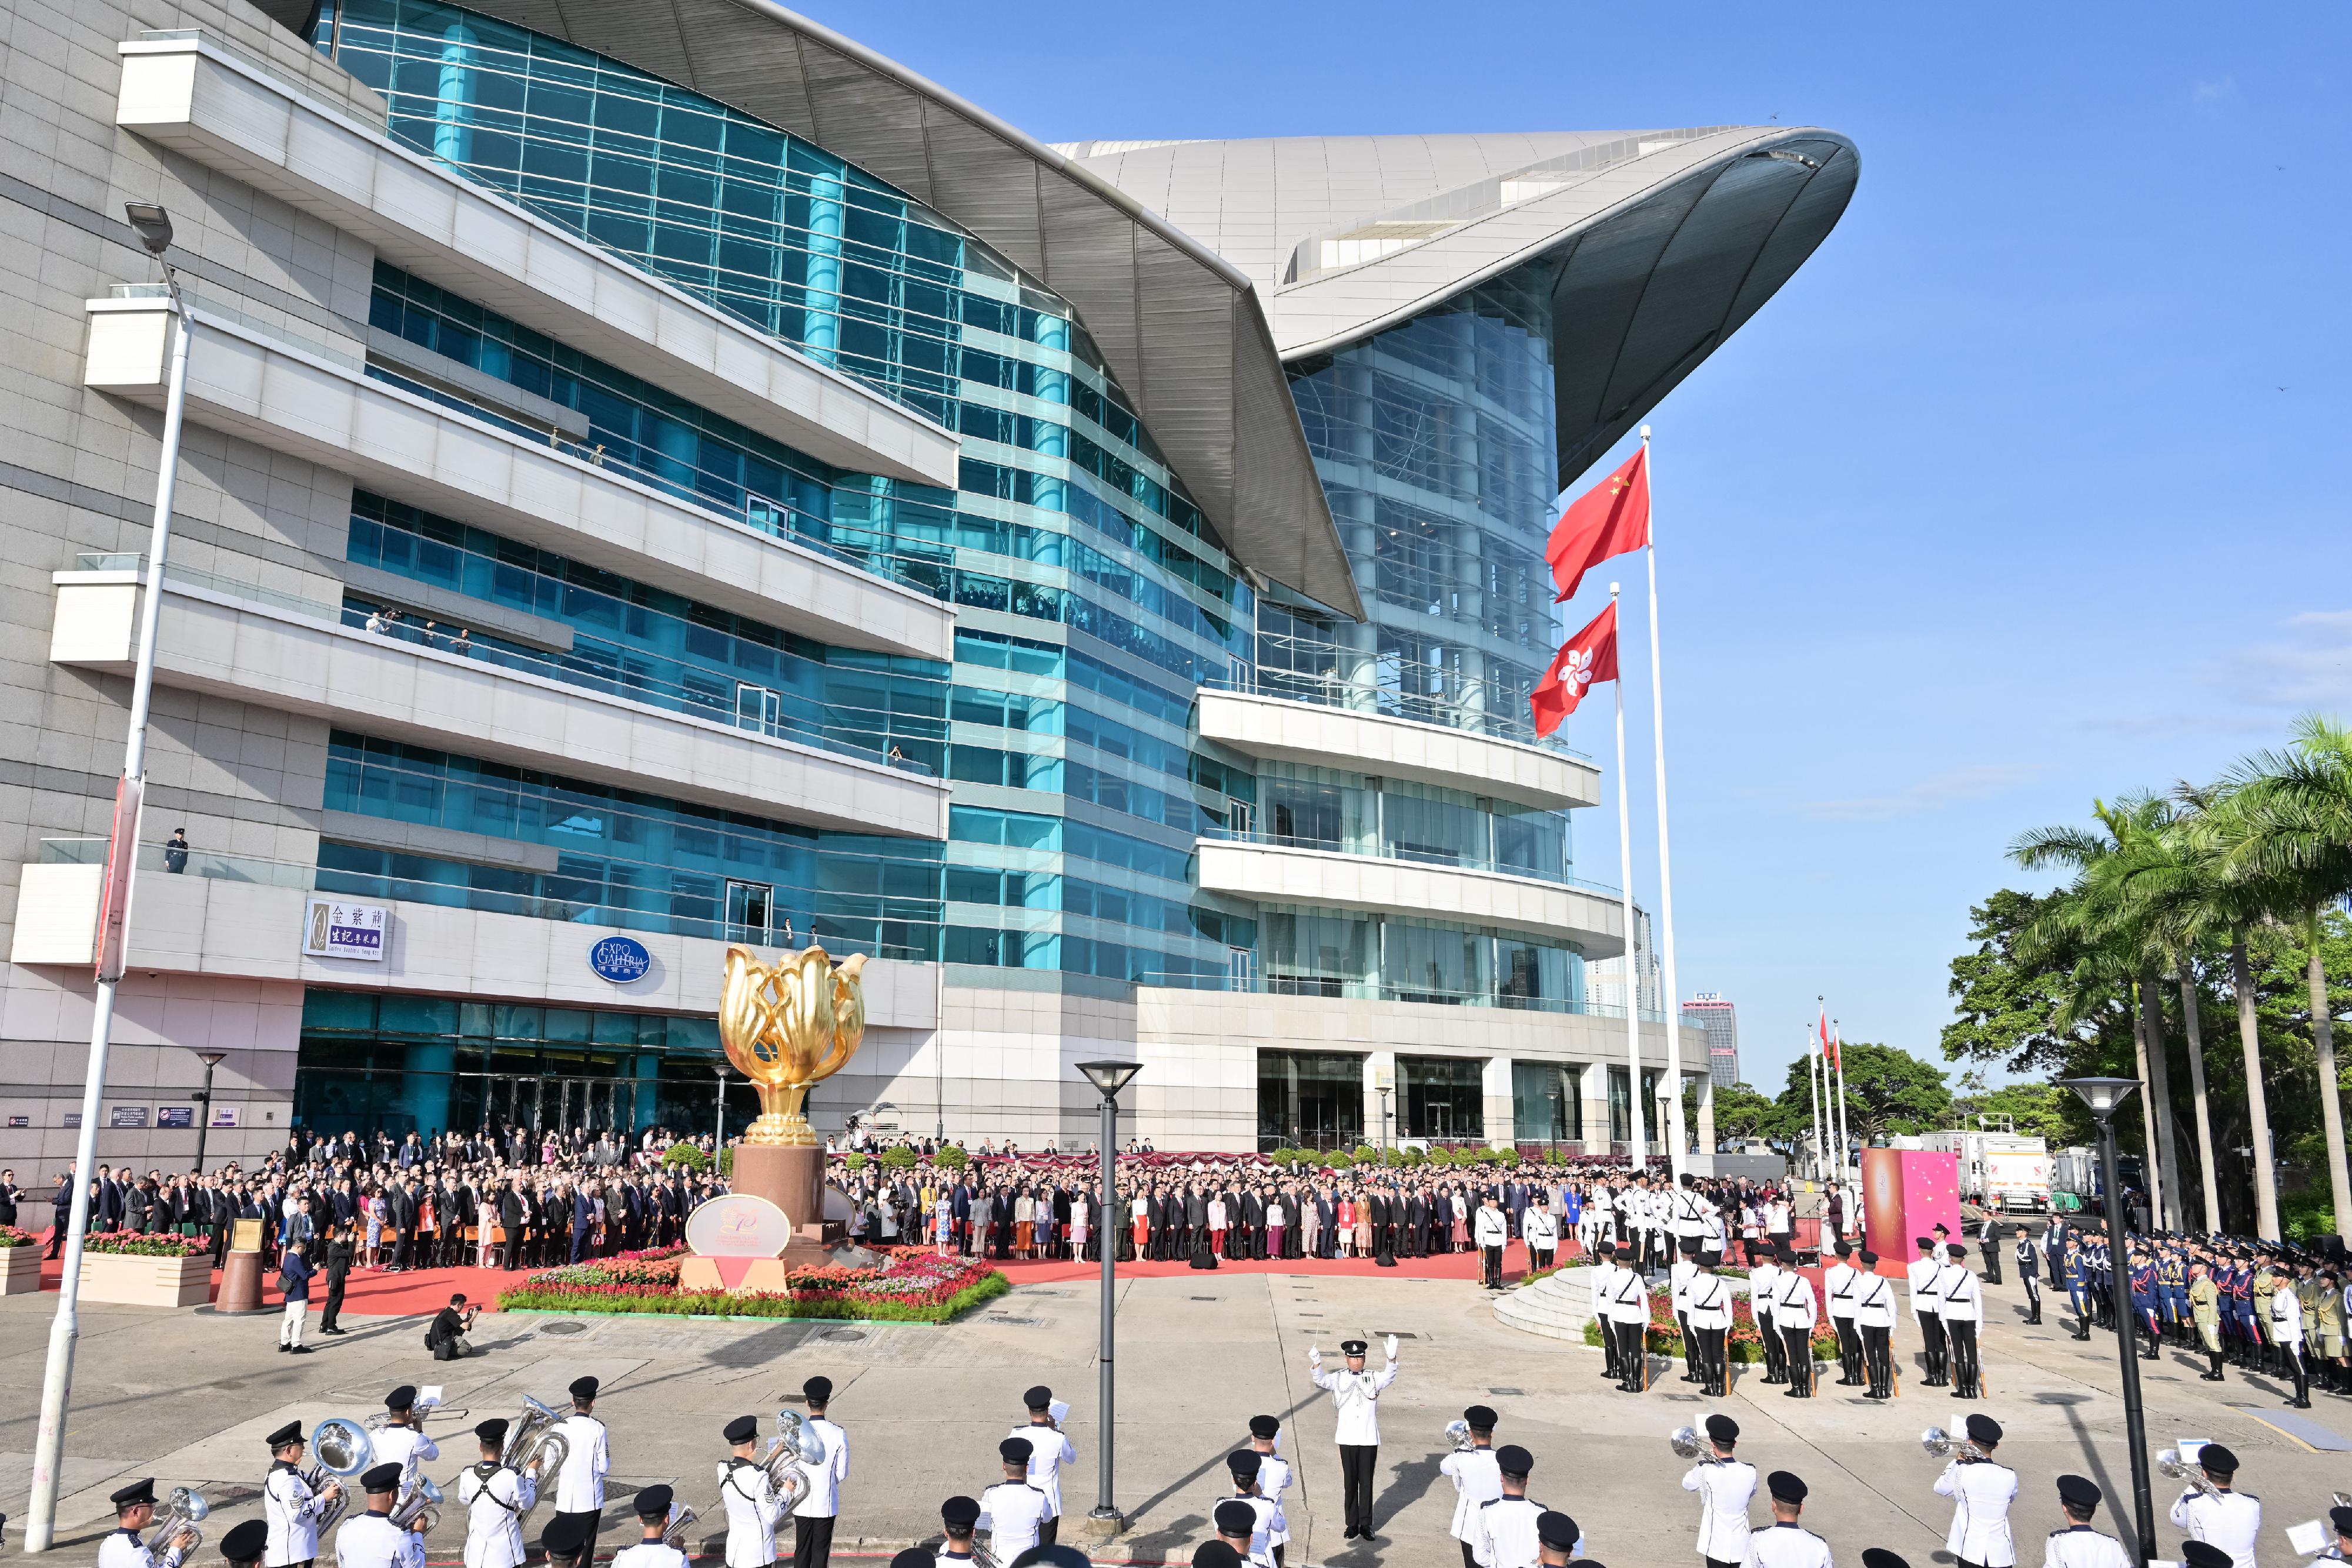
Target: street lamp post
[1384,1127]
[1108,1078]
[211,1059]
[2104,1097]
[152,227]
[719,1119]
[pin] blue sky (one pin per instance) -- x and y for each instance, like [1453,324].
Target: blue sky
[2030,487]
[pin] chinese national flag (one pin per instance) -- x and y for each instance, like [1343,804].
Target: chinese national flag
[1590,655]
[1611,518]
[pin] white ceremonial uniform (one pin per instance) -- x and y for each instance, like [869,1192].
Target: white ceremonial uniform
[1491,1227]
[1710,1304]
[1273,1480]
[1629,1298]
[650,1555]
[292,1509]
[2230,1520]
[1011,1513]
[1506,1533]
[1762,1280]
[1476,1478]
[1922,1273]
[752,1510]
[1692,1210]
[2080,1546]
[1679,1276]
[1539,1228]
[495,1504]
[1270,1524]
[1959,1298]
[406,1447]
[372,1540]
[1875,1303]
[1049,1450]
[1786,1546]
[1354,1397]
[1725,1487]
[2286,1316]
[823,1499]
[1842,1282]
[579,1484]
[1792,1302]
[1981,1492]
[123,1549]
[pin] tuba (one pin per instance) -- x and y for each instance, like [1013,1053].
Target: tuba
[1457,1435]
[533,1440]
[1687,1443]
[421,1500]
[340,1449]
[1942,1444]
[794,1443]
[183,1512]
[681,1520]
[2169,1464]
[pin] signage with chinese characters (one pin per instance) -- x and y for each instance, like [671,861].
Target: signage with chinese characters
[126,1115]
[73,1120]
[20,1120]
[332,928]
[620,959]
[223,1117]
[175,1115]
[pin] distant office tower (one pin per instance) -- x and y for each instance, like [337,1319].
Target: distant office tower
[1709,1010]
[1604,978]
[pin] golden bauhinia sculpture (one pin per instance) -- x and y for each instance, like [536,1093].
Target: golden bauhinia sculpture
[787,1027]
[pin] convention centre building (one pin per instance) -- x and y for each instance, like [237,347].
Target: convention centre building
[663,474]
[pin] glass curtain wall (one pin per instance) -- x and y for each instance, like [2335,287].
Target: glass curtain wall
[1307,807]
[1547,1102]
[1621,1110]
[1340,953]
[1442,1098]
[1309,1099]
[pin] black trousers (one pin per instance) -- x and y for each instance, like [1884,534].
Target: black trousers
[1798,1347]
[334,1303]
[1357,1462]
[2032,1298]
[589,1519]
[1634,1353]
[1714,1369]
[1992,1254]
[1850,1353]
[1878,1359]
[1493,1265]
[1049,1532]
[1692,1366]
[1933,1341]
[1776,1354]
[1968,1372]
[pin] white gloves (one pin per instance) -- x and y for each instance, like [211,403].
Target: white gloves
[1314,1356]
[1390,1347]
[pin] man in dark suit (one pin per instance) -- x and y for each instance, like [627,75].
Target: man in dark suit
[584,1220]
[510,1220]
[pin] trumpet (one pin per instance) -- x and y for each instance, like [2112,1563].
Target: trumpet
[1687,1444]
[183,1512]
[1458,1434]
[420,1501]
[681,1520]
[1942,1444]
[532,1440]
[2170,1465]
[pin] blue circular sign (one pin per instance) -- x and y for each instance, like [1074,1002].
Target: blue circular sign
[620,959]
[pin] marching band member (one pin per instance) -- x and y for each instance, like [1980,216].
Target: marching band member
[1475,1478]
[2339,1520]
[568,1540]
[1236,1524]
[401,1440]
[653,1548]
[1556,1537]
[1273,1473]
[1506,1524]
[1726,1486]
[2078,1545]
[1982,1491]
[1763,1278]
[2226,1519]
[371,1540]
[820,1505]
[1355,1405]
[1874,1314]
[1012,1511]
[243,1546]
[134,1510]
[748,1495]
[1842,1281]
[288,1503]
[1049,1450]
[1959,1301]
[959,1516]
[1794,1313]
[1242,1465]
[579,1484]
[495,1499]
[1787,1544]
[1710,1322]
[1924,1272]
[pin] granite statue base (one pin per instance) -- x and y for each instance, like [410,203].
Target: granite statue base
[793,1178]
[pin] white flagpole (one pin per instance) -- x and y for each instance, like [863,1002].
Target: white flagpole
[1845,1115]
[1813,1081]
[1676,1142]
[1632,969]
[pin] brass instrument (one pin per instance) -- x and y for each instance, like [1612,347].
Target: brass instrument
[794,1443]
[531,1440]
[2169,1464]
[1942,1444]
[421,1501]
[340,1449]
[681,1520]
[1458,1434]
[1687,1443]
[183,1512]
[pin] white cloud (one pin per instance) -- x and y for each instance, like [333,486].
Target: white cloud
[1927,795]
[2207,91]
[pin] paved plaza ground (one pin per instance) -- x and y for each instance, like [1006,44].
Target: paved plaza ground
[186,1396]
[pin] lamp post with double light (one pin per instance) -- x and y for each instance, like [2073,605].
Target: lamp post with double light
[1108,1078]
[2105,1096]
[211,1059]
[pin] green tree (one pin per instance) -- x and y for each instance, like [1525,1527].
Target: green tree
[1740,1112]
[2036,1110]
[1887,1090]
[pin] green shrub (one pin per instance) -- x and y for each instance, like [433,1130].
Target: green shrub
[1366,1154]
[687,1155]
[1502,1157]
[898,1157]
[1339,1159]
[951,1159]
[856,1161]
[727,1163]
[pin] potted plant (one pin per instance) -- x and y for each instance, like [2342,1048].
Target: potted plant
[20,1261]
[131,1269]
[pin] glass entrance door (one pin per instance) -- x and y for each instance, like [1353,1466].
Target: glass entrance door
[750,912]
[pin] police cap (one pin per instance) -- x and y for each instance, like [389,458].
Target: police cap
[1038,1397]
[1722,1429]
[2217,1459]
[583,1389]
[1235,1517]
[1015,1450]
[134,1494]
[379,1479]
[1215,1555]
[2080,1492]
[246,1543]
[289,1433]
[493,1430]
[960,1513]
[1879,1557]
[1481,1417]
[1786,1486]
[1513,1461]
[401,1397]
[1244,1463]
[2204,1554]
[1983,1429]
[1264,1427]
[1556,1530]
[817,1390]
[566,1533]
[654,1502]
[741,1429]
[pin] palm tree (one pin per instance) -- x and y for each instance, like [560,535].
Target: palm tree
[2290,825]
[2122,958]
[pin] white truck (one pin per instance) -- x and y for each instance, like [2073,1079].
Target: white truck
[2007,1171]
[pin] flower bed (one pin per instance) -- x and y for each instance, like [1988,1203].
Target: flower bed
[911,1287]
[20,1261]
[11,1237]
[141,1244]
[1745,1344]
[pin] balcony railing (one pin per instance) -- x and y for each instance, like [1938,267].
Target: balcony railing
[1383,694]
[1361,990]
[1376,850]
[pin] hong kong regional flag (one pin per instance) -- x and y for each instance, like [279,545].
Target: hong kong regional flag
[1590,655]
[1611,518]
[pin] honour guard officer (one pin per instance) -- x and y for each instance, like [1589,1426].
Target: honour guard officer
[2029,1273]
[2078,1279]
[1873,1315]
[1982,1491]
[2226,1519]
[402,1440]
[2142,1279]
[1475,1477]
[1242,1464]
[1788,1543]
[1842,1283]
[1539,1228]
[568,1540]
[959,1516]
[1960,1301]
[1710,1322]
[1273,1473]
[1626,1313]
[1726,1486]
[2078,1545]
[1556,1537]
[2286,1332]
[1763,1278]
[2205,1309]
[749,1494]
[1049,1450]
[288,1503]
[243,1546]
[1236,1524]
[579,1484]
[495,1499]
[1680,1275]
[371,1540]
[1692,1211]
[1604,1275]
[1506,1524]
[653,1548]
[134,1510]
[1924,1272]
[1355,1405]
[1794,1313]
[812,1516]
[1492,1233]
[1012,1510]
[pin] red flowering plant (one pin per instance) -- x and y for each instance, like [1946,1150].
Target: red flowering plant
[11,1237]
[137,1243]
[907,1287]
